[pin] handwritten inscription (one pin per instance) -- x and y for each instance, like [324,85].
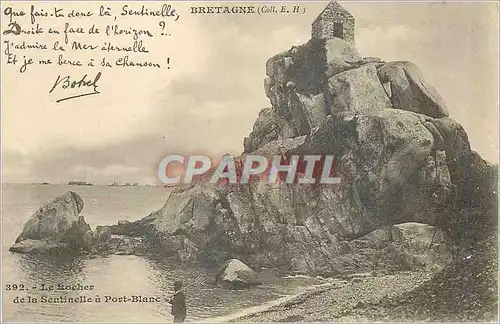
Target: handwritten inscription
[83,83]
[77,46]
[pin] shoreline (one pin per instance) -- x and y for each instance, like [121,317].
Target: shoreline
[335,301]
[304,292]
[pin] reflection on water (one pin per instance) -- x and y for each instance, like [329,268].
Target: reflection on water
[50,271]
[114,276]
[119,276]
[51,268]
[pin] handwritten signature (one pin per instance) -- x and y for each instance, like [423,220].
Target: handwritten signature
[84,83]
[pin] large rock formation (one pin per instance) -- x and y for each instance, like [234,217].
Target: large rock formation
[399,156]
[328,77]
[56,227]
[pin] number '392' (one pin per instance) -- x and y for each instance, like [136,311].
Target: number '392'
[15,287]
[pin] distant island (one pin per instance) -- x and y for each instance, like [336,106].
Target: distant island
[116,184]
[79,183]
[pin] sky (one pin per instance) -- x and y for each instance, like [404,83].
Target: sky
[208,99]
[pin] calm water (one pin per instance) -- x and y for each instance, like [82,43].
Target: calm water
[112,275]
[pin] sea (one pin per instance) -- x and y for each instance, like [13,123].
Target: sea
[114,276]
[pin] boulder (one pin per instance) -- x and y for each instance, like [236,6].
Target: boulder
[410,91]
[57,224]
[407,246]
[423,242]
[416,236]
[235,275]
[357,91]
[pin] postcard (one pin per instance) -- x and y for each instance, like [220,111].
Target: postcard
[249,161]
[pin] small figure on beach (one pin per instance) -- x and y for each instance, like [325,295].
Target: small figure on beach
[178,302]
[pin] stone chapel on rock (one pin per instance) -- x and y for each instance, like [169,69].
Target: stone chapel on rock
[334,21]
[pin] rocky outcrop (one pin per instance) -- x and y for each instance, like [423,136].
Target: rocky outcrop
[325,77]
[124,238]
[56,227]
[235,275]
[400,160]
[106,241]
[356,91]
[399,157]
[405,246]
[296,85]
